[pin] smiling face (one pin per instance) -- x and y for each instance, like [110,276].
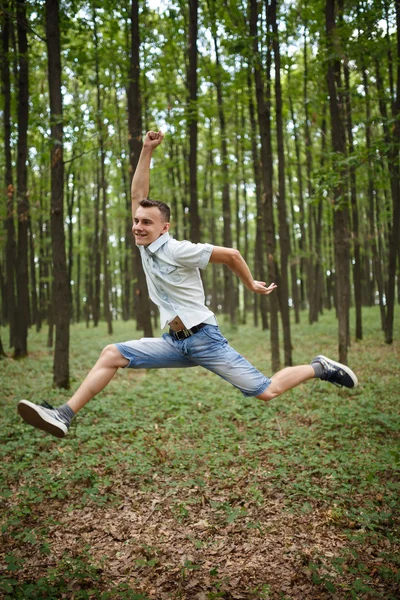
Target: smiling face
[148,225]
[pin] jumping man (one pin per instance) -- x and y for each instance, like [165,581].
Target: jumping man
[175,286]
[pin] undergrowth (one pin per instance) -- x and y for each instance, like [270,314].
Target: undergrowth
[196,451]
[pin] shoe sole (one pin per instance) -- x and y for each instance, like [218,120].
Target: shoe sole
[349,372]
[35,416]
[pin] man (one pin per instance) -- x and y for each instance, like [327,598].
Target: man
[174,283]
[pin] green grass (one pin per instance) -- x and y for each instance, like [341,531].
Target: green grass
[172,485]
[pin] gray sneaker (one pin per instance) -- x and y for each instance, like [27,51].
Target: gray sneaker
[43,417]
[336,373]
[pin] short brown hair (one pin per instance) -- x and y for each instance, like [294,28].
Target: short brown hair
[162,207]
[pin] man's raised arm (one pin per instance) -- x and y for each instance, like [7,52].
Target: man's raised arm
[141,178]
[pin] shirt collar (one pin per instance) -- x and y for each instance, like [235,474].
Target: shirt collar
[156,245]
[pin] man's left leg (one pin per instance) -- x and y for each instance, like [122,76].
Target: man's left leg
[321,367]
[286,379]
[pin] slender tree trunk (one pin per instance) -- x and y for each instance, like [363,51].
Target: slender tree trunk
[11,247]
[229,286]
[310,259]
[294,261]
[263,106]
[371,240]
[340,217]
[192,115]
[246,293]
[79,257]
[215,267]
[128,246]
[318,227]
[96,254]
[299,172]
[260,302]
[354,209]
[284,238]
[142,302]
[21,337]
[61,289]
[395,185]
[70,193]
[34,314]
[103,190]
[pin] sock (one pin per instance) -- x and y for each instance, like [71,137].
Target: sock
[318,369]
[66,413]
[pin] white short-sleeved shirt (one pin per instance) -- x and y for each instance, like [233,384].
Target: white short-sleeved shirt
[173,279]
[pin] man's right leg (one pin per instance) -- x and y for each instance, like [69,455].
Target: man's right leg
[146,353]
[109,362]
[56,421]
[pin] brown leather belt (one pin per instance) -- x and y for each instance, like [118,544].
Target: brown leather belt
[185,333]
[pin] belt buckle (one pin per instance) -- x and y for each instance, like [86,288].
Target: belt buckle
[186,332]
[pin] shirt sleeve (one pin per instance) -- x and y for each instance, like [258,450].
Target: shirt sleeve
[187,254]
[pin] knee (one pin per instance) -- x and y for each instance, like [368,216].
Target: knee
[269,394]
[112,357]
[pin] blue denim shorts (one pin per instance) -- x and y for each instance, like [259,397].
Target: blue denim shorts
[207,348]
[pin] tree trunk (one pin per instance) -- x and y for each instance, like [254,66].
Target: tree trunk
[21,337]
[142,302]
[34,314]
[371,240]
[263,106]
[79,257]
[395,186]
[299,172]
[128,247]
[229,286]
[340,216]
[294,261]
[192,121]
[284,238]
[11,247]
[260,302]
[61,290]
[310,259]
[354,207]
[96,258]
[103,190]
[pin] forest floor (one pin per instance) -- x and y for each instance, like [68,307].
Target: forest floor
[171,485]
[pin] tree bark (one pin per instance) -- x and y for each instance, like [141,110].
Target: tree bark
[263,107]
[142,302]
[21,335]
[61,289]
[192,121]
[260,302]
[395,187]
[229,286]
[284,239]
[11,247]
[340,216]
[103,190]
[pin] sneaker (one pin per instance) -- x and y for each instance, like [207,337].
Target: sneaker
[336,373]
[44,417]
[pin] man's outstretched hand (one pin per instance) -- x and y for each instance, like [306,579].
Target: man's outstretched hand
[153,139]
[260,287]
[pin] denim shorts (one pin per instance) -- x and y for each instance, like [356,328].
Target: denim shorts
[207,348]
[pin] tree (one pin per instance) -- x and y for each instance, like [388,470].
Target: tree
[9,184]
[340,215]
[61,297]
[142,302]
[284,239]
[21,332]
[192,118]
[263,106]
